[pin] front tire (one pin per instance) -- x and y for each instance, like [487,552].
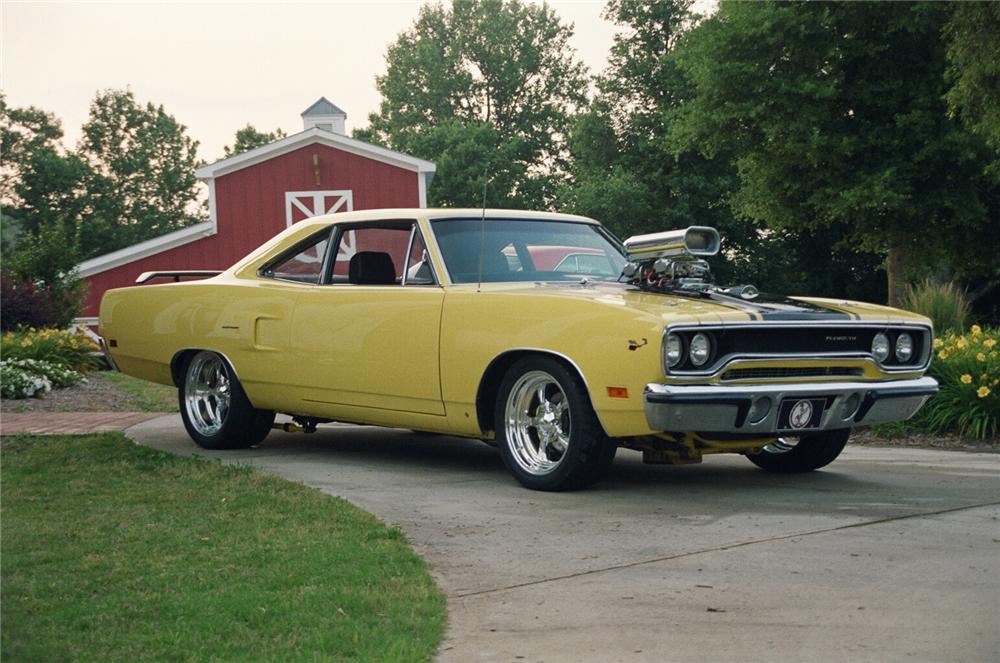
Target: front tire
[811,452]
[216,411]
[546,429]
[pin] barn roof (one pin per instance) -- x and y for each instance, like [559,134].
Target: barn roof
[309,137]
[323,106]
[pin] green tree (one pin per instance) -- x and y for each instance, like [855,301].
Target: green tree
[973,37]
[500,71]
[143,182]
[835,117]
[249,138]
[23,133]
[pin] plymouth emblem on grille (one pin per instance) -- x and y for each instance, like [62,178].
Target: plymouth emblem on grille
[800,415]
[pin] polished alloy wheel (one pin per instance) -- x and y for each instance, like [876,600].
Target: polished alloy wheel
[207,393]
[538,423]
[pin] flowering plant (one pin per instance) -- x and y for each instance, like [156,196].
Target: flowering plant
[57,346]
[967,367]
[25,378]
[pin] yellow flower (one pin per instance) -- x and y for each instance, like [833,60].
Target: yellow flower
[943,354]
[989,343]
[966,379]
[981,357]
[976,330]
[961,343]
[984,377]
[938,342]
[993,355]
[983,392]
[26,342]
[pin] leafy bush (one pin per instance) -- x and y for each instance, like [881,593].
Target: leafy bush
[24,378]
[967,368]
[54,346]
[24,304]
[16,382]
[40,285]
[944,303]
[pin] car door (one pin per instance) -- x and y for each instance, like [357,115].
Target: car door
[368,335]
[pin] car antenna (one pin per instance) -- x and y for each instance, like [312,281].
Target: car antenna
[482,230]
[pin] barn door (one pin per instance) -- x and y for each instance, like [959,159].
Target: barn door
[301,205]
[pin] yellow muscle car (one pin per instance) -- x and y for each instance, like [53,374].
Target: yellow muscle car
[540,333]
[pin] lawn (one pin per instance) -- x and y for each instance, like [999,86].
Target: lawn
[112,551]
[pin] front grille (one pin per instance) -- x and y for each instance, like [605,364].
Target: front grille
[729,342]
[765,373]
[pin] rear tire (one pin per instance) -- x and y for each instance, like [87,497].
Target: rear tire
[546,429]
[811,452]
[216,411]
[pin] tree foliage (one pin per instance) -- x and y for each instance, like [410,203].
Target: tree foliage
[973,35]
[492,80]
[835,117]
[24,132]
[142,181]
[249,138]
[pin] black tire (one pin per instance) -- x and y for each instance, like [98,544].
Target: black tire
[810,453]
[565,460]
[237,425]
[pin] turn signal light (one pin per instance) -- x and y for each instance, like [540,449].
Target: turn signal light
[617,392]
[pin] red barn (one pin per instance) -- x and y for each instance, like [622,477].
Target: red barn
[254,195]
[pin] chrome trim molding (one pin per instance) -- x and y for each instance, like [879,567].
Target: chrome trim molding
[726,408]
[721,363]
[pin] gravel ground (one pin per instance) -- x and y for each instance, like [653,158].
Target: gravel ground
[97,394]
[101,394]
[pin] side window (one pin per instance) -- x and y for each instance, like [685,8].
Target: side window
[377,253]
[304,266]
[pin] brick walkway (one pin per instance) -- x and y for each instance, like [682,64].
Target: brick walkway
[70,423]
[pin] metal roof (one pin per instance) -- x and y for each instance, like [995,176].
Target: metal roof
[323,106]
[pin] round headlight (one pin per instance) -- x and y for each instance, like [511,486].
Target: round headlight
[701,349]
[880,347]
[904,347]
[675,350]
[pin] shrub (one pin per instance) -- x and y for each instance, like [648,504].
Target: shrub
[967,368]
[41,286]
[23,378]
[23,304]
[944,303]
[54,346]
[16,382]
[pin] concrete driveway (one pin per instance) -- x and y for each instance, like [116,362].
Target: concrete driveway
[888,554]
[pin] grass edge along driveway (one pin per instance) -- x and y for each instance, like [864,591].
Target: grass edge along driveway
[111,551]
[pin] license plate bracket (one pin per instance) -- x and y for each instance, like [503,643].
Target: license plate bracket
[800,414]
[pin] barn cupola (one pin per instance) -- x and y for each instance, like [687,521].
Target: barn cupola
[326,116]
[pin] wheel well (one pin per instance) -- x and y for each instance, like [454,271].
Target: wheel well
[489,384]
[177,365]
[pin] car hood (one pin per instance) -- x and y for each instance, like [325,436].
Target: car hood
[711,309]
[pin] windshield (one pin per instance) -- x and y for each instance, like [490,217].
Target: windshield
[527,250]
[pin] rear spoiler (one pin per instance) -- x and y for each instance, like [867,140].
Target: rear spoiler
[177,276]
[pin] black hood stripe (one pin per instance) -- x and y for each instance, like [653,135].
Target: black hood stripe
[765,307]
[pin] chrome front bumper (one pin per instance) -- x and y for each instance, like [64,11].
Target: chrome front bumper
[738,408]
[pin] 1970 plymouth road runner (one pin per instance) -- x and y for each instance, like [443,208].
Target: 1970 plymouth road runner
[538,332]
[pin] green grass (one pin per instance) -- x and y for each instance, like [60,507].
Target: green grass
[114,552]
[146,396]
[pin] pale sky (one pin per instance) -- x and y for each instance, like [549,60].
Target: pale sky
[216,66]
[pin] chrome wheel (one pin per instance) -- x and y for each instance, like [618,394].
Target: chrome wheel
[538,423]
[207,393]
